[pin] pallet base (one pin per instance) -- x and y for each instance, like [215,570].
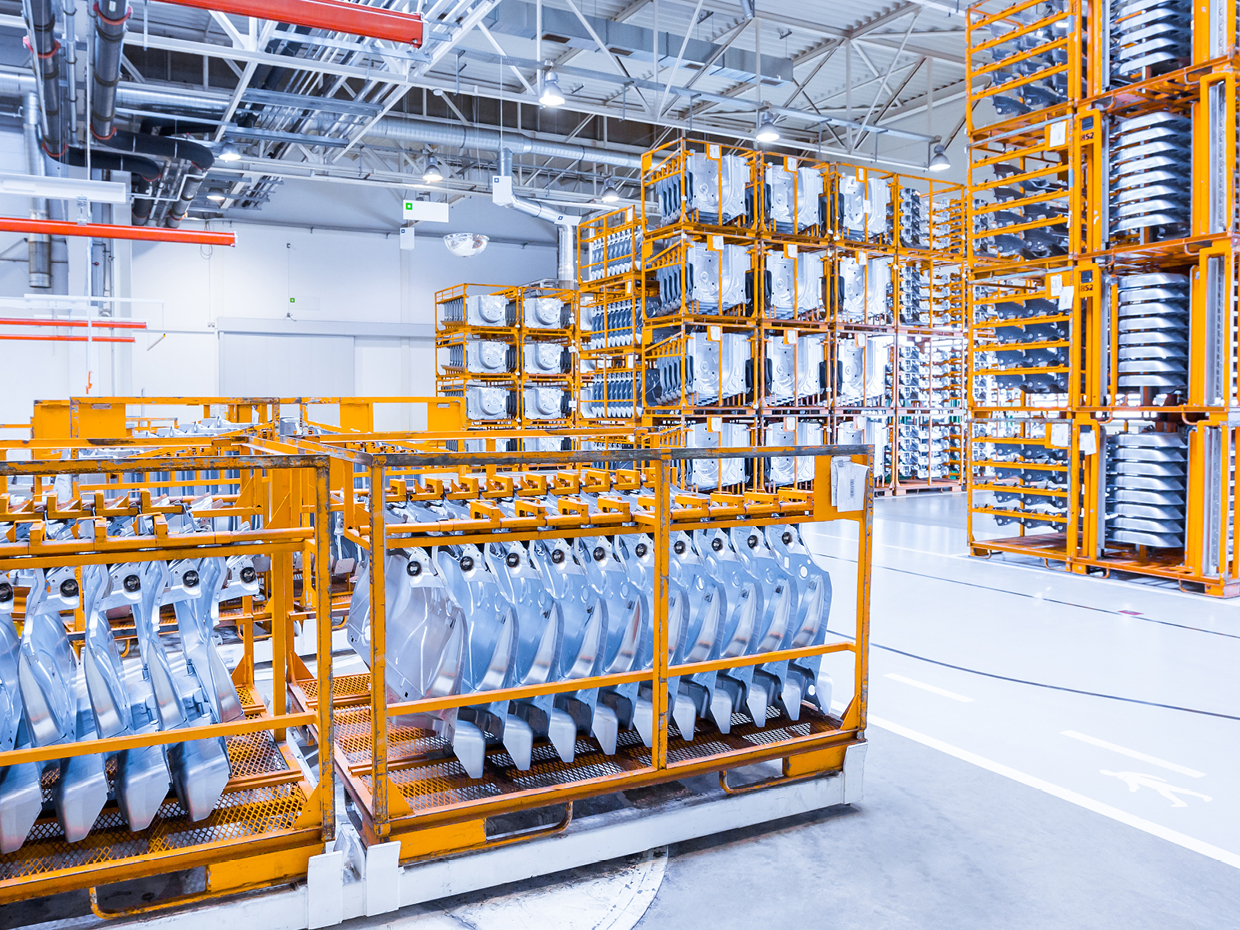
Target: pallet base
[353,880]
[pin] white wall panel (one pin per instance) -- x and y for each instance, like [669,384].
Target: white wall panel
[285,366]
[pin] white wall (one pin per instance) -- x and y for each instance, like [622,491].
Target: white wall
[188,293]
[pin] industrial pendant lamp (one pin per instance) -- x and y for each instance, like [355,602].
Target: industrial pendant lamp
[552,96]
[766,129]
[938,161]
[431,174]
[610,194]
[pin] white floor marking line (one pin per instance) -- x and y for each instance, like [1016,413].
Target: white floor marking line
[1133,754]
[1148,826]
[942,692]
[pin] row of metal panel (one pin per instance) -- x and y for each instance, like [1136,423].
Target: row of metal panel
[542,628]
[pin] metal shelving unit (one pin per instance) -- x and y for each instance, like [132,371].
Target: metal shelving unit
[1103,319]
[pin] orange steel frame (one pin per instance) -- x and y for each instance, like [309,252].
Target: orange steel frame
[247,842]
[1205,91]
[373,778]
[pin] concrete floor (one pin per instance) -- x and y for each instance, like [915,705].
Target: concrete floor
[1003,820]
[998,794]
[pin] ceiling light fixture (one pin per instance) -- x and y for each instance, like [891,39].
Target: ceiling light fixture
[610,194]
[230,152]
[552,96]
[938,161]
[766,129]
[216,196]
[431,174]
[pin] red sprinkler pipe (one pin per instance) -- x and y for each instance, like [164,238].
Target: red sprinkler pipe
[5,337]
[108,231]
[332,15]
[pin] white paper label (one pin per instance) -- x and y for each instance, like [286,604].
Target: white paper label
[713,150]
[1057,133]
[790,250]
[790,337]
[1054,284]
[1065,297]
[790,423]
[716,243]
[716,333]
[790,164]
[716,424]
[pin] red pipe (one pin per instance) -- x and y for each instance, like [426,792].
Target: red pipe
[332,15]
[109,231]
[96,323]
[5,337]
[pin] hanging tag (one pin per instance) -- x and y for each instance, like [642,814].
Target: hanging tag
[716,243]
[716,424]
[1065,297]
[1057,134]
[716,334]
[790,337]
[713,150]
[790,250]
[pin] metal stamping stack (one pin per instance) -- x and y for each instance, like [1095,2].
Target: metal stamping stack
[1146,489]
[1153,332]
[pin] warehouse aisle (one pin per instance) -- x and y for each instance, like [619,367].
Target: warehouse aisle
[944,625]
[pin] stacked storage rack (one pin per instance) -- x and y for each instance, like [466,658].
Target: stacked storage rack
[794,261]
[896,317]
[701,263]
[609,352]
[509,352]
[1103,339]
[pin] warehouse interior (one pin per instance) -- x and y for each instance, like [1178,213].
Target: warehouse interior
[806,437]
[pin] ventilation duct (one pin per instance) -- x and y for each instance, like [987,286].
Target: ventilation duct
[40,261]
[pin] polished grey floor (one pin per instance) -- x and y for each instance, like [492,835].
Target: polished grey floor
[969,657]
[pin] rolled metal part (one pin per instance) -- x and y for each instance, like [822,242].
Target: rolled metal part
[40,247]
[110,19]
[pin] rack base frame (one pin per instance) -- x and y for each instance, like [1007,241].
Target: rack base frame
[353,880]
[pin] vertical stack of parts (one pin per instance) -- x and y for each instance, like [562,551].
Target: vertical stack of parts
[1103,320]
[510,353]
[1145,489]
[548,333]
[477,353]
[701,300]
[897,291]
[609,350]
[793,327]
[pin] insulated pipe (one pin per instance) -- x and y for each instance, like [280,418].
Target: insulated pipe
[46,50]
[406,129]
[110,17]
[40,261]
[195,153]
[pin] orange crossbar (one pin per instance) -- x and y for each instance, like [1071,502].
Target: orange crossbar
[332,15]
[110,231]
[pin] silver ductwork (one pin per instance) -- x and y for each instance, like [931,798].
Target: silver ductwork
[565,223]
[406,129]
[40,246]
[392,128]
